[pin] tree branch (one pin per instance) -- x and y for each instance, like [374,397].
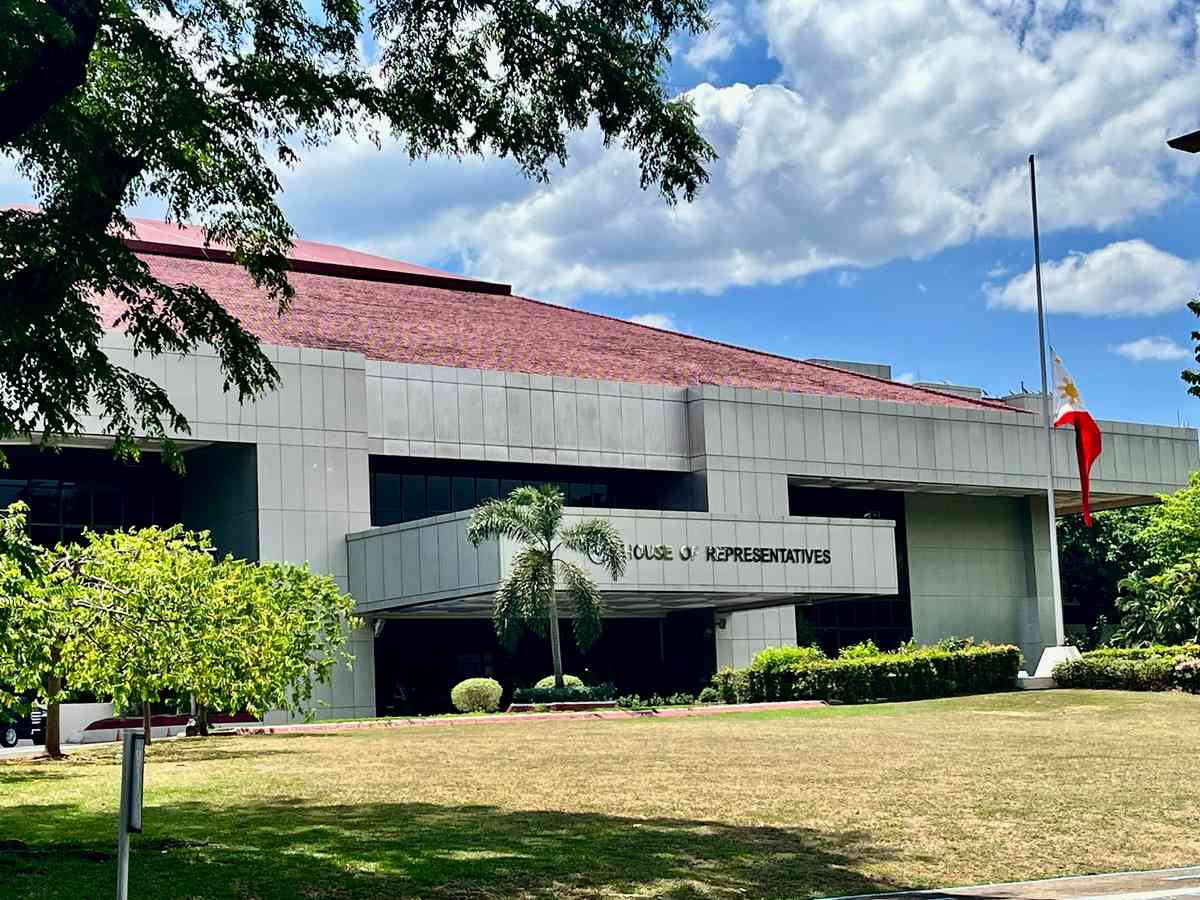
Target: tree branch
[57,68]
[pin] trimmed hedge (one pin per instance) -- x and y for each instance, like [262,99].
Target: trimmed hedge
[570,681]
[1156,668]
[911,675]
[1153,673]
[477,695]
[583,693]
[1175,651]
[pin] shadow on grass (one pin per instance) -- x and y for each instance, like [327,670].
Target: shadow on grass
[388,850]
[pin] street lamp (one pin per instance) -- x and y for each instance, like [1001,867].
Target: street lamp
[1189,143]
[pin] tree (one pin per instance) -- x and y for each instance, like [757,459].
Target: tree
[194,106]
[136,615]
[529,593]
[1191,377]
[1163,608]
[1172,530]
[1094,560]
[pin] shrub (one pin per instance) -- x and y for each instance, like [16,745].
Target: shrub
[771,667]
[775,658]
[1176,651]
[733,685]
[919,674]
[582,694]
[954,644]
[861,650]
[477,695]
[710,695]
[1149,673]
[631,701]
[1187,675]
[570,681]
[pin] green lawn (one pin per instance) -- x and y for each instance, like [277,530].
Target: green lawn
[757,805]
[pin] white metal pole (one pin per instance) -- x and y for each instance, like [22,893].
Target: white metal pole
[1059,630]
[123,827]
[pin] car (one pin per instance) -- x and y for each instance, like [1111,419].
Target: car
[15,725]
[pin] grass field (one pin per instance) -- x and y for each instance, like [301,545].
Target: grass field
[760,805]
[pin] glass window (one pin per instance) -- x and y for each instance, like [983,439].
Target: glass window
[462,493]
[106,506]
[45,535]
[580,495]
[43,501]
[387,490]
[599,495]
[12,490]
[486,489]
[139,508]
[508,485]
[76,503]
[439,494]
[414,506]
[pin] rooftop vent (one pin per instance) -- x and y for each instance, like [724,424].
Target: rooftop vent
[875,370]
[958,390]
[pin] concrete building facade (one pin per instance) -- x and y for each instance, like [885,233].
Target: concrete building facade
[752,491]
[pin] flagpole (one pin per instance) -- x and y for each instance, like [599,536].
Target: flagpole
[1056,581]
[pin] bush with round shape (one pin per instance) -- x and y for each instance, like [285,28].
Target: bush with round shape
[477,695]
[569,681]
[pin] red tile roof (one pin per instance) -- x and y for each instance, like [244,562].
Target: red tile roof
[484,328]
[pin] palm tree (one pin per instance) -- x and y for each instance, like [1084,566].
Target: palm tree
[528,594]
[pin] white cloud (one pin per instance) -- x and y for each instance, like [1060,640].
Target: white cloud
[846,278]
[906,378]
[1126,278]
[999,270]
[655,320]
[922,288]
[1158,349]
[892,131]
[728,32]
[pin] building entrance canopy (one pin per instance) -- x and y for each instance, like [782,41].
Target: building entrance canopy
[678,560]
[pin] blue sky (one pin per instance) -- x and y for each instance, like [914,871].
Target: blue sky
[871,201]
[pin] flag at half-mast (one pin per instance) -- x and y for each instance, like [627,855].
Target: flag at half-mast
[1071,411]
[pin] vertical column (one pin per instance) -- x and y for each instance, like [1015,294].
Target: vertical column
[1037,620]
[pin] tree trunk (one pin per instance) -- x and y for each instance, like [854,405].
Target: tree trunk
[53,720]
[202,721]
[146,719]
[555,642]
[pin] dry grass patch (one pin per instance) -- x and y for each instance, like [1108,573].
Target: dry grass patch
[770,805]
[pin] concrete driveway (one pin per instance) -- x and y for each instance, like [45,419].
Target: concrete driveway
[1161,884]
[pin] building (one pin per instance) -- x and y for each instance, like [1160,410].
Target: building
[759,492]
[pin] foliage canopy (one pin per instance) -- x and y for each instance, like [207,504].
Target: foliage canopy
[136,614]
[196,106]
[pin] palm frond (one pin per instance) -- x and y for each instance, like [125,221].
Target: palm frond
[598,540]
[523,595]
[548,509]
[579,587]
[510,518]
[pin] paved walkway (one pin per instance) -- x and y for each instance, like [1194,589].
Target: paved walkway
[668,712]
[1161,884]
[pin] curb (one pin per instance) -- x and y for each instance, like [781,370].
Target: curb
[675,712]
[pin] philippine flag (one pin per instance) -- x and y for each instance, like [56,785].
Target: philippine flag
[1071,411]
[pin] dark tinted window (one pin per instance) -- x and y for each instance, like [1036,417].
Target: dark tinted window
[404,489]
[414,497]
[487,488]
